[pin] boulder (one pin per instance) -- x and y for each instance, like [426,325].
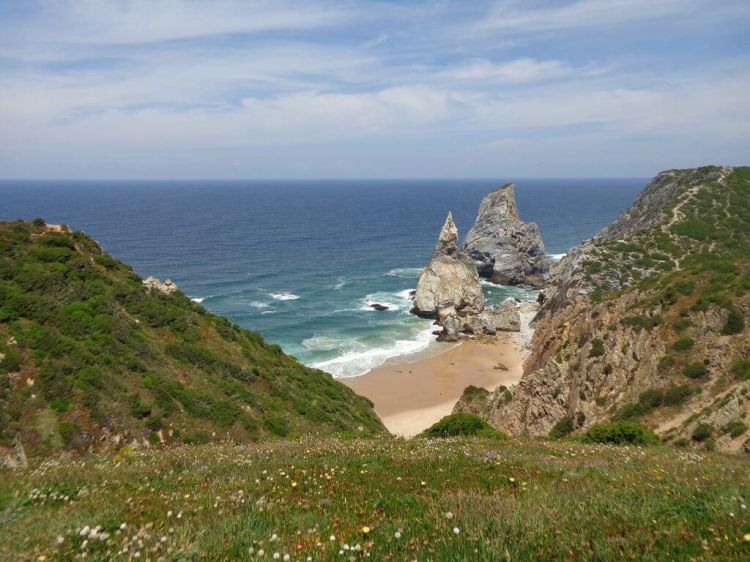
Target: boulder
[503,317]
[505,249]
[379,307]
[450,279]
[168,286]
[451,329]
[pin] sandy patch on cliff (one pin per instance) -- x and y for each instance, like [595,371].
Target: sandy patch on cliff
[410,397]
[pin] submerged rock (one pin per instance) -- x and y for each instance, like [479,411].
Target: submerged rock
[506,249]
[379,307]
[450,280]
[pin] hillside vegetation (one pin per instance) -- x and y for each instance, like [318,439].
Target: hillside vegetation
[88,354]
[648,321]
[381,499]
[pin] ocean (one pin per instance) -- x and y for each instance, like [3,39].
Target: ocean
[301,261]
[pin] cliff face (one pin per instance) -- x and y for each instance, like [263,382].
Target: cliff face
[647,321]
[506,249]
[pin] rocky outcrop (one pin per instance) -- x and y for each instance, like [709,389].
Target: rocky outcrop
[449,281]
[168,286]
[636,323]
[506,249]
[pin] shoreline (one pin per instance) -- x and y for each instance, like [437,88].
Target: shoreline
[411,395]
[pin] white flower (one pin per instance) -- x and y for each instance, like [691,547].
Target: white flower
[397,534]
[449,515]
[274,537]
[123,526]
[261,552]
[287,558]
[456,530]
[60,540]
[276,555]
[332,537]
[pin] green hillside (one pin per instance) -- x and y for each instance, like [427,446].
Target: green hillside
[91,355]
[381,499]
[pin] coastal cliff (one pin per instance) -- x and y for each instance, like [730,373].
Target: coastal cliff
[506,250]
[646,321]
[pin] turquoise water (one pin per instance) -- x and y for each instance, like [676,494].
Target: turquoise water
[300,261]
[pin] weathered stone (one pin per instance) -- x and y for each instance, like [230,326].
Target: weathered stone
[449,280]
[506,249]
[168,286]
[502,317]
[451,329]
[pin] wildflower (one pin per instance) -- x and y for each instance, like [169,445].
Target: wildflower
[365,530]
[123,526]
[273,537]
[261,552]
[276,555]
[456,530]
[294,484]
[397,534]
[332,538]
[747,537]
[287,558]
[449,515]
[60,540]
[423,483]
[512,480]
[251,551]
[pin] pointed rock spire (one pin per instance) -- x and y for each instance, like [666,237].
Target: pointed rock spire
[447,243]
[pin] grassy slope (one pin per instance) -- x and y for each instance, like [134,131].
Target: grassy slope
[510,499]
[97,353]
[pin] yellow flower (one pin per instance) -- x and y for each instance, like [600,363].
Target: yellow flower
[365,530]
[747,537]
[294,484]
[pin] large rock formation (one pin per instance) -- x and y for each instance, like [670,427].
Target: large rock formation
[642,322]
[449,282]
[506,249]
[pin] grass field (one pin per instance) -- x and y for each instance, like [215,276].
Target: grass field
[382,499]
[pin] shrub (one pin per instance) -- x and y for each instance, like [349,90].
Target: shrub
[597,348]
[562,428]
[651,398]
[694,370]
[735,323]
[461,424]
[742,369]
[683,344]
[11,362]
[735,428]
[666,362]
[677,394]
[620,433]
[681,324]
[702,432]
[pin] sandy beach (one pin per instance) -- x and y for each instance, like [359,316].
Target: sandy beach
[410,396]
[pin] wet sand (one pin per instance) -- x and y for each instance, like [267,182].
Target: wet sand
[410,397]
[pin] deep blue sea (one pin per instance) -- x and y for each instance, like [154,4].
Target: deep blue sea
[300,261]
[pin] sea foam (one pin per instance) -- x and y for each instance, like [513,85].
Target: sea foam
[353,363]
[283,296]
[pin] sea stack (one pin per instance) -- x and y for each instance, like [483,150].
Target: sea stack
[506,250]
[449,284]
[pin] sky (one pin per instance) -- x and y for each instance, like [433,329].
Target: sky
[371,88]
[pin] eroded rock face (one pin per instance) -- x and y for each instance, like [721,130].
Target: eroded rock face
[168,286]
[450,280]
[506,249]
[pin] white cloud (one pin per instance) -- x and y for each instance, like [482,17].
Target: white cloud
[141,21]
[512,72]
[506,15]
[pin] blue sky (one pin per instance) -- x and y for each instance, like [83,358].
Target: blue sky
[324,88]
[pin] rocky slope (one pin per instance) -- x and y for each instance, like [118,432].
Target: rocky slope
[90,354]
[647,321]
[506,249]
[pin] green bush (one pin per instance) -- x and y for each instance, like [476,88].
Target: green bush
[694,370]
[461,424]
[683,344]
[562,428]
[677,394]
[620,433]
[597,348]
[735,323]
[11,362]
[742,369]
[735,428]
[702,432]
